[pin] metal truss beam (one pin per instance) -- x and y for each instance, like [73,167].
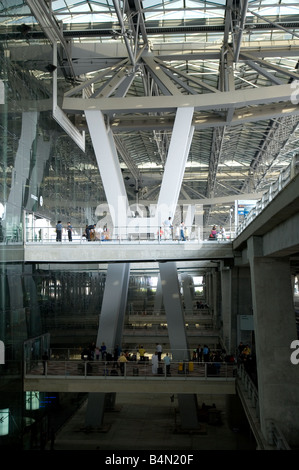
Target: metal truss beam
[248,58]
[211,101]
[49,25]
[238,28]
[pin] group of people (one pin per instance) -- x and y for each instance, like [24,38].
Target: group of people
[244,351]
[167,233]
[156,359]
[201,353]
[217,234]
[59,228]
[94,353]
[204,354]
[91,233]
[94,233]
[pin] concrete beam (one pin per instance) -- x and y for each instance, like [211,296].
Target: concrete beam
[105,252]
[138,385]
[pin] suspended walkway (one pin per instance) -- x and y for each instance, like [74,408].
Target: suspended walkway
[136,377]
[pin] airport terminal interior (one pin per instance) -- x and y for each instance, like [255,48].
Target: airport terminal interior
[149,225]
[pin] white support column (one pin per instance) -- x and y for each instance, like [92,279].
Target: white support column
[178,338]
[187,285]
[113,305]
[109,332]
[175,164]
[226,291]
[158,297]
[21,169]
[174,311]
[109,167]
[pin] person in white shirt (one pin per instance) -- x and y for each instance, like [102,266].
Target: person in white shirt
[167,228]
[159,351]
[222,233]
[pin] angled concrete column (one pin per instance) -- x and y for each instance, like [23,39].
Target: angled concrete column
[188,291]
[226,291]
[34,324]
[109,167]
[113,305]
[174,311]
[215,297]
[275,330]
[158,297]
[109,332]
[209,289]
[17,317]
[21,171]
[177,337]
[175,164]
[125,274]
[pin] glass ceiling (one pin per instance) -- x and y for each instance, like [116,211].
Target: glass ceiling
[90,14]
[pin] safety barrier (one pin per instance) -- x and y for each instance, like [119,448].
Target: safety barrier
[138,369]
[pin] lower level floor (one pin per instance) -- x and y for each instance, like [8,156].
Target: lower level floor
[151,422]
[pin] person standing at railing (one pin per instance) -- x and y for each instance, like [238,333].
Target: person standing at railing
[1,231]
[199,353]
[121,361]
[69,231]
[222,233]
[206,353]
[45,359]
[186,233]
[167,362]
[159,351]
[141,353]
[213,234]
[160,233]
[182,231]
[59,231]
[167,228]
[90,229]
[155,363]
[103,351]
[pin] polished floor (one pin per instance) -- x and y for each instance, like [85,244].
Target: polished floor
[151,422]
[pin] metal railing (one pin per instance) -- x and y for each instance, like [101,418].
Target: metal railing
[275,437]
[35,233]
[283,179]
[119,235]
[142,369]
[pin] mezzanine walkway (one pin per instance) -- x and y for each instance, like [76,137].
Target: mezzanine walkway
[96,376]
[112,251]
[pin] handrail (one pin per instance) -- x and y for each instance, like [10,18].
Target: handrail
[61,354]
[275,437]
[284,178]
[137,369]
[119,235]
[127,329]
[34,233]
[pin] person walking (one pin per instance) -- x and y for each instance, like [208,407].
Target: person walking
[182,231]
